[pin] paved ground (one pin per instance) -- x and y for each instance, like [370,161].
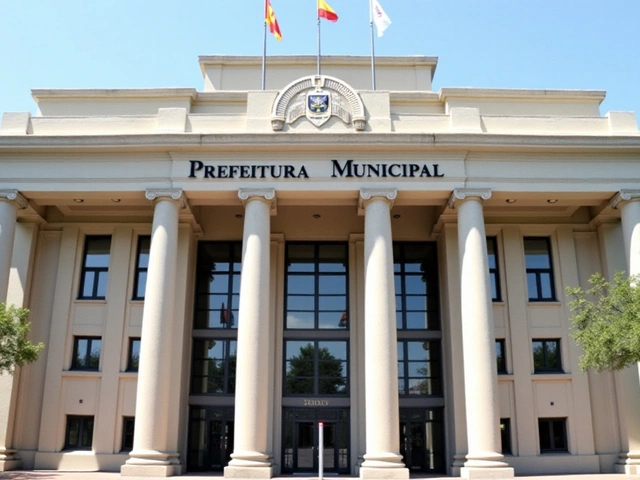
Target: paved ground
[57,475]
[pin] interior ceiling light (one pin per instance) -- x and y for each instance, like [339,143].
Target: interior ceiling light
[115,200]
[316,215]
[511,200]
[397,215]
[238,215]
[552,200]
[78,200]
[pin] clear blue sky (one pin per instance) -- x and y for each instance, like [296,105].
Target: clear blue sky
[565,44]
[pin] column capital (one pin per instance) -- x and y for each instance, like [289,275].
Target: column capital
[465,193]
[14,196]
[624,196]
[368,194]
[175,194]
[267,195]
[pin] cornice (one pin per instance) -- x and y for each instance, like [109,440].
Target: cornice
[520,93]
[442,140]
[58,93]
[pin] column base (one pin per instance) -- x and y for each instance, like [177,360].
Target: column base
[248,472]
[384,473]
[150,470]
[627,469]
[6,465]
[472,473]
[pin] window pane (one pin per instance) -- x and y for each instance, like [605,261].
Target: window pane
[545,283]
[301,258]
[87,433]
[94,354]
[333,303]
[332,284]
[219,283]
[89,279]
[414,284]
[532,286]
[141,286]
[328,320]
[553,358]
[298,302]
[102,284]
[301,284]
[538,355]
[416,320]
[415,302]
[332,258]
[300,320]
[143,252]
[537,253]
[97,252]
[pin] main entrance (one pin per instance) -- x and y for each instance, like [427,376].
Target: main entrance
[300,440]
[422,439]
[210,439]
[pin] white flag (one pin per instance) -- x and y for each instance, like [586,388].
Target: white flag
[380,18]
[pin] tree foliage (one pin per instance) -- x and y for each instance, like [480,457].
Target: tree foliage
[606,322]
[15,349]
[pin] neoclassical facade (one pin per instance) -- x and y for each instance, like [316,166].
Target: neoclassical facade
[222,276]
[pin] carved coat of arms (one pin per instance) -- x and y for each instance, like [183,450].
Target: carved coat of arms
[318,98]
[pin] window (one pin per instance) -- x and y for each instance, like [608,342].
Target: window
[95,268]
[128,427]
[316,287]
[419,368]
[505,435]
[546,356]
[553,434]
[142,265]
[218,285]
[316,368]
[214,366]
[501,359]
[79,434]
[86,353]
[415,268]
[133,360]
[537,253]
[494,279]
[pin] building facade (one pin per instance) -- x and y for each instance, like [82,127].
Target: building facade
[219,274]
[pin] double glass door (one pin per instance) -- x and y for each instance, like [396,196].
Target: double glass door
[301,440]
[422,439]
[210,438]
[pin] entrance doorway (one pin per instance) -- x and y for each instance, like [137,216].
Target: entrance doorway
[210,439]
[300,440]
[422,439]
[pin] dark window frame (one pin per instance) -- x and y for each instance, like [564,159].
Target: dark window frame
[505,436]
[132,362]
[549,425]
[435,364]
[228,378]
[128,431]
[87,354]
[539,272]
[84,422]
[316,369]
[546,366]
[429,276]
[317,273]
[141,269]
[228,320]
[494,272]
[93,272]
[501,360]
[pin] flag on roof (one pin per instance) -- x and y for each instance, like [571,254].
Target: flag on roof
[272,22]
[380,18]
[326,12]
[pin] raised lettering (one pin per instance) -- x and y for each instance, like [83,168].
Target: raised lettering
[196,165]
[391,167]
[303,172]
[435,171]
[208,172]
[341,170]
[425,172]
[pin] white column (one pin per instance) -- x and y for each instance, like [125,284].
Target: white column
[250,458]
[150,455]
[10,202]
[484,459]
[383,459]
[628,202]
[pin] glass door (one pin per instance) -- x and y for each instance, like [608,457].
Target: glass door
[422,439]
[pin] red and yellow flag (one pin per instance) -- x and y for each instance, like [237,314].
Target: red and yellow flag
[326,12]
[272,22]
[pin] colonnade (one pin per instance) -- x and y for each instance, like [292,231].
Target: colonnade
[250,459]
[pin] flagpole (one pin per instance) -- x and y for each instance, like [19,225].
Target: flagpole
[373,51]
[318,61]
[264,49]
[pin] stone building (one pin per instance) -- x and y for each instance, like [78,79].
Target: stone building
[216,273]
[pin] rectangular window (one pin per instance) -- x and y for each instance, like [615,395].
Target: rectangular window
[419,371]
[214,366]
[128,427]
[494,279]
[501,357]
[547,357]
[553,435]
[415,268]
[537,253]
[95,268]
[86,353]
[505,435]
[133,359]
[142,265]
[218,285]
[317,286]
[79,433]
[316,367]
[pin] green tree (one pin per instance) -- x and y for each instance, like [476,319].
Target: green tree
[301,374]
[15,349]
[606,322]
